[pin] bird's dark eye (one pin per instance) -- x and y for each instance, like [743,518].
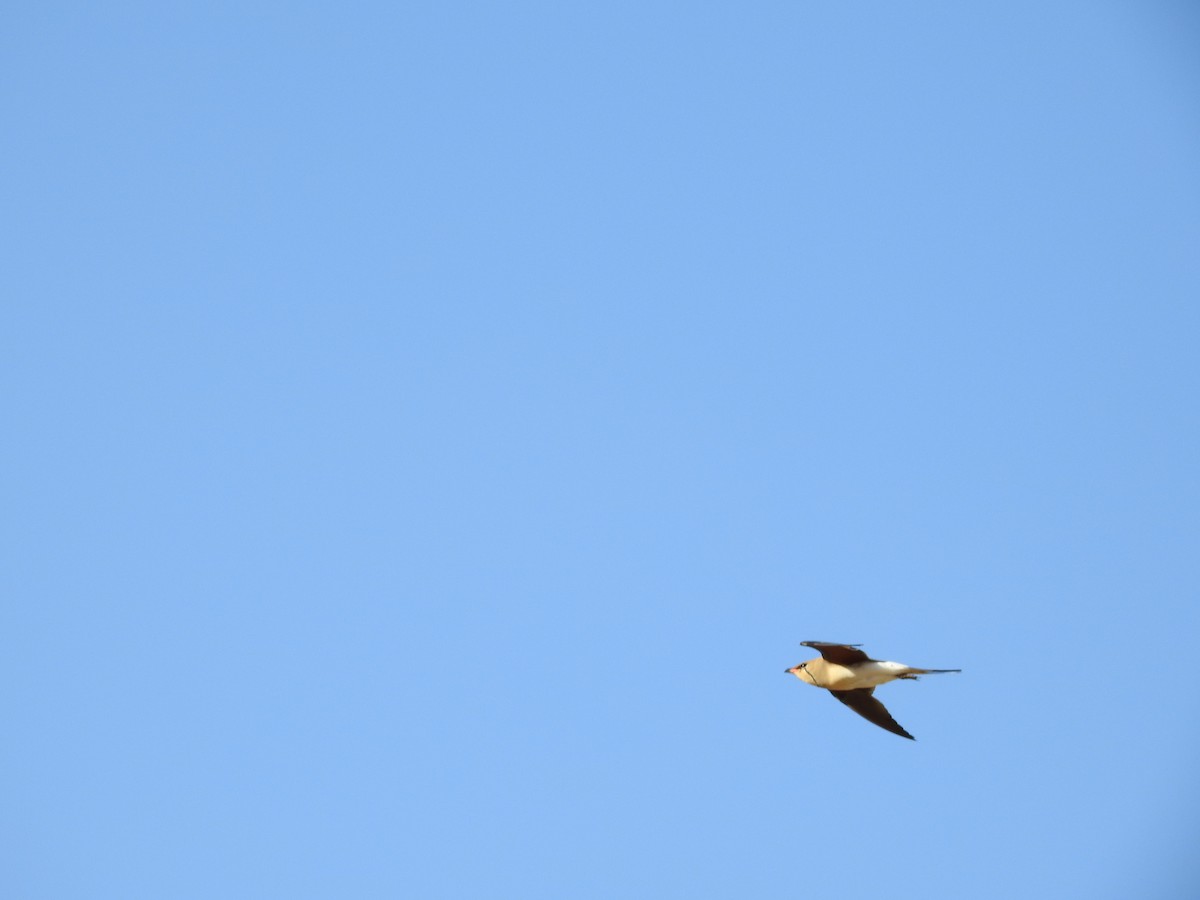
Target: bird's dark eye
[804,665]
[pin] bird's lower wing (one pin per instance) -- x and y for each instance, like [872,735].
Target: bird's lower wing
[864,703]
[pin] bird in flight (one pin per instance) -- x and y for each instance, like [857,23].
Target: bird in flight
[852,676]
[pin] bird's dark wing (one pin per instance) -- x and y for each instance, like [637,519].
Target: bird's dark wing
[842,654]
[862,702]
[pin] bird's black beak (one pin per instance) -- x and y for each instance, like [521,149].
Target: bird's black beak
[787,671]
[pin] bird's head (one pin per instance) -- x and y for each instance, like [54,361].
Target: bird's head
[801,672]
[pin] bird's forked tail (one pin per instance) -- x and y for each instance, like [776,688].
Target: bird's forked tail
[913,672]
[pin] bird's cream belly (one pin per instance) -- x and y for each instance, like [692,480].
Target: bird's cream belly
[863,675]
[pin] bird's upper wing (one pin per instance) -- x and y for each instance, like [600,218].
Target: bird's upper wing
[841,654]
[862,702]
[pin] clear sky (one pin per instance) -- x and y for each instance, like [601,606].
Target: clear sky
[430,428]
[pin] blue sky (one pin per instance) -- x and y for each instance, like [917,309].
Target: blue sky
[430,429]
